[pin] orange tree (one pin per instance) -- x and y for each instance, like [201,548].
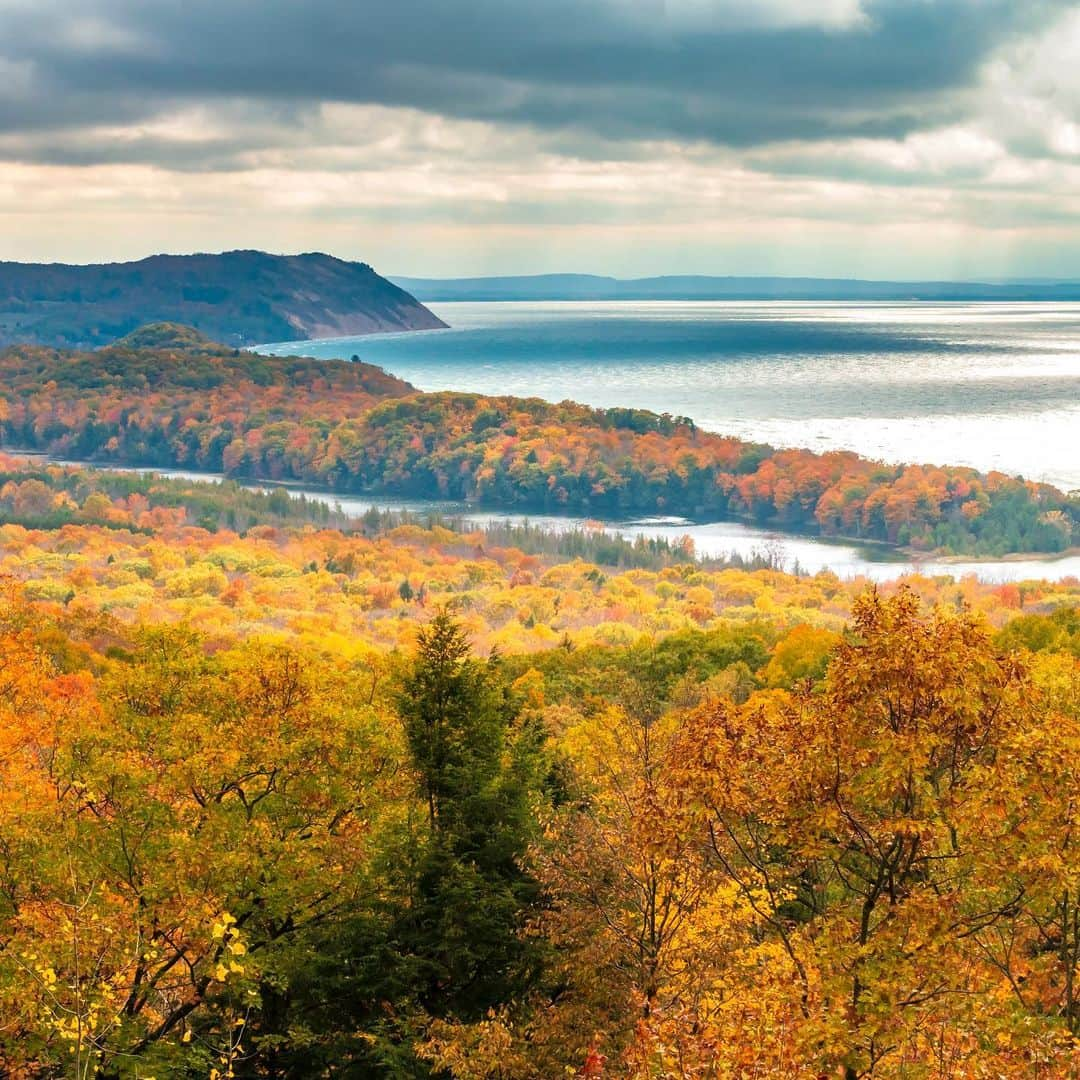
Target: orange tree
[166,828]
[856,820]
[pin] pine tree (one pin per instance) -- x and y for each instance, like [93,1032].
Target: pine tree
[443,936]
[476,771]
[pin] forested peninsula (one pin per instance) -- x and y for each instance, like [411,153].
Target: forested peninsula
[168,397]
[241,297]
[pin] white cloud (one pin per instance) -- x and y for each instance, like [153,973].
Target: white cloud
[771,14]
[89,33]
[995,174]
[1030,96]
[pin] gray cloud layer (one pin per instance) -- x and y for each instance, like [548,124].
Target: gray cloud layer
[921,137]
[624,70]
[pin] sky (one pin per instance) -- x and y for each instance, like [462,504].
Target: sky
[873,138]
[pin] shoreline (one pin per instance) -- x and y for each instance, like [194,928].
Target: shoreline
[1011,557]
[900,555]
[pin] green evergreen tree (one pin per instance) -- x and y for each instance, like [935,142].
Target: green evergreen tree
[443,936]
[477,771]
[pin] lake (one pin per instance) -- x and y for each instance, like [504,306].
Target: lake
[993,386]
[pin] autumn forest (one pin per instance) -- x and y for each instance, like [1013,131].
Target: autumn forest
[289,793]
[165,396]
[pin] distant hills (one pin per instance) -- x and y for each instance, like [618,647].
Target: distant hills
[692,287]
[246,298]
[240,298]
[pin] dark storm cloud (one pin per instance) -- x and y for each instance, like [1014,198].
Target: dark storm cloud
[618,69]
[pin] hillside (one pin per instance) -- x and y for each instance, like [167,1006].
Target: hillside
[171,337]
[223,725]
[240,297]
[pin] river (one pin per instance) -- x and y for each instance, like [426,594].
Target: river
[807,555]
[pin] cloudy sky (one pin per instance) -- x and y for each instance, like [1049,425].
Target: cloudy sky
[881,138]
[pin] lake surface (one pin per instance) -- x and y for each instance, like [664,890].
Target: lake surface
[714,540]
[993,386]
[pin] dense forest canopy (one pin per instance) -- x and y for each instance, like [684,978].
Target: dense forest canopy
[354,428]
[266,813]
[286,793]
[219,557]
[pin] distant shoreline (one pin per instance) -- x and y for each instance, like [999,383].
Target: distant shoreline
[689,288]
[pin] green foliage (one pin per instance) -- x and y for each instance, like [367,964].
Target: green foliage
[477,764]
[651,671]
[1057,632]
[444,937]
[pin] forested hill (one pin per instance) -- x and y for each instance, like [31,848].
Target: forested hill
[240,297]
[354,428]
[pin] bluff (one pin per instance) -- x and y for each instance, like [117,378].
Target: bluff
[239,297]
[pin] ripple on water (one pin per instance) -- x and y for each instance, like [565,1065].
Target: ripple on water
[992,386]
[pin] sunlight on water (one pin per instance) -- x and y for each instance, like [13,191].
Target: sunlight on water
[993,386]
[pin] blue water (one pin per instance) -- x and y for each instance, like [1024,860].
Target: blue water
[994,386]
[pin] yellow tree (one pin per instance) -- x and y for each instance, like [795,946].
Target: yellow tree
[844,818]
[624,884]
[1030,792]
[190,814]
